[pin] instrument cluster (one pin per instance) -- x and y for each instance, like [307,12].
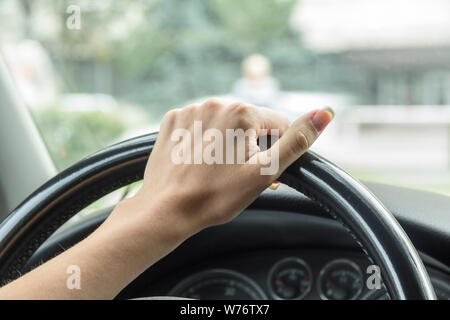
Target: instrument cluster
[289,278]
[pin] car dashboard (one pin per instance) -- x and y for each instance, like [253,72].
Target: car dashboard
[282,275]
[282,247]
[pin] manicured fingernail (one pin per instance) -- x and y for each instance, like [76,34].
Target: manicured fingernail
[322,118]
[274,185]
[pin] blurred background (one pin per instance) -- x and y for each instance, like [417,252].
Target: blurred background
[383,65]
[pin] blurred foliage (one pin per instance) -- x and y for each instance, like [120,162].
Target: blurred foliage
[163,53]
[72,135]
[194,48]
[157,54]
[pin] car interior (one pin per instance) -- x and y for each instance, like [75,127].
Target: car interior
[321,236]
[284,246]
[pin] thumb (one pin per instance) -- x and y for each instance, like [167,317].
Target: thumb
[301,135]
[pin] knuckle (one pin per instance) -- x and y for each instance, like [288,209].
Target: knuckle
[213,103]
[171,115]
[191,107]
[240,108]
[301,142]
[242,115]
[169,120]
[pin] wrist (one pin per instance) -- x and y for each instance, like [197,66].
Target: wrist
[136,235]
[153,220]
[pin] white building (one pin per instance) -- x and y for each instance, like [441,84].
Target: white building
[401,49]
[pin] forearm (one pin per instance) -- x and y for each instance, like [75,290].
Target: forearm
[108,259]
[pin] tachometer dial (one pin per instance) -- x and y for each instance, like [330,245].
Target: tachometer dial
[218,284]
[340,280]
[290,279]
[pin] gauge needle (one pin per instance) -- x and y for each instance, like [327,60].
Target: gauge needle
[330,282]
[281,282]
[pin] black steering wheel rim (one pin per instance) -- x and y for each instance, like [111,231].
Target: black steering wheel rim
[361,213]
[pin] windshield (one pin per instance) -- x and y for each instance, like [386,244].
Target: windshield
[96,72]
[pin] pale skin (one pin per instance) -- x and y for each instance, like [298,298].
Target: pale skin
[175,202]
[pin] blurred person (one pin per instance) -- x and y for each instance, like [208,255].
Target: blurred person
[257,86]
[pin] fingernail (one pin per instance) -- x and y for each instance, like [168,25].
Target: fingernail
[274,185]
[322,118]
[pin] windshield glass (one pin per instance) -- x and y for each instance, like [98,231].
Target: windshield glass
[96,72]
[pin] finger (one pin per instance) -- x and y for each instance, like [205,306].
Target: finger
[300,136]
[269,120]
[257,121]
[274,185]
[263,120]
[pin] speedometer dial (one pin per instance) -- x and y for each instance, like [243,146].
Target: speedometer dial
[290,279]
[340,280]
[218,284]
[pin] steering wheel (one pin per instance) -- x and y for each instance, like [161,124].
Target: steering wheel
[371,225]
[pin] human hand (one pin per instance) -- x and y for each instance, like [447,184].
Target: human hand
[190,197]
